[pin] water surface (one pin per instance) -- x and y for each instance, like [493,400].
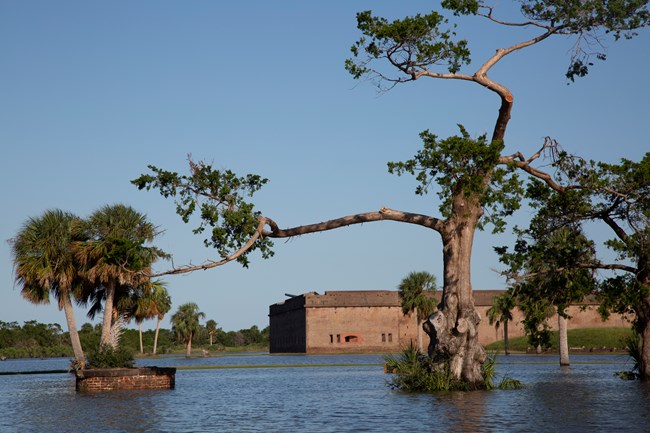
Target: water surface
[585,397]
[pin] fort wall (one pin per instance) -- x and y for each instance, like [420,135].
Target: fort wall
[372,321]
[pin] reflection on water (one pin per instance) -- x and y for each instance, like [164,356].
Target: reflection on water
[583,398]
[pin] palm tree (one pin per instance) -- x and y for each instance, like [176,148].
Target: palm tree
[143,305]
[162,303]
[115,257]
[185,324]
[501,312]
[416,295]
[44,263]
[211,327]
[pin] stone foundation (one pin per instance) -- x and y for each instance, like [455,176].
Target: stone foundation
[111,379]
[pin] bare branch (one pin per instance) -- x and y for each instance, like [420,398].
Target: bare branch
[519,278]
[520,161]
[214,264]
[381,215]
[489,16]
[276,232]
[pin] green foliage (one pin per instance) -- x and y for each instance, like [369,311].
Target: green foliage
[584,19]
[633,343]
[501,309]
[413,371]
[488,370]
[416,294]
[617,195]
[587,338]
[462,166]
[44,258]
[410,44]
[107,357]
[413,45]
[217,197]
[117,235]
[185,322]
[549,263]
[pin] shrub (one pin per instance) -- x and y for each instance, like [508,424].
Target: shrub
[107,357]
[416,372]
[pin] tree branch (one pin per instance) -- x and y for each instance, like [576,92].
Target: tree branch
[518,278]
[276,232]
[381,215]
[520,161]
[214,264]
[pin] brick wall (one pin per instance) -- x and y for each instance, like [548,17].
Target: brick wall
[111,379]
[372,321]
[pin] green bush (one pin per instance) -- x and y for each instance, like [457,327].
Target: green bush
[414,371]
[107,357]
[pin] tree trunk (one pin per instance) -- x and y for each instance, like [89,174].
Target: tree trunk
[188,352]
[155,338]
[419,325]
[72,329]
[643,328]
[140,331]
[505,337]
[453,329]
[564,341]
[108,314]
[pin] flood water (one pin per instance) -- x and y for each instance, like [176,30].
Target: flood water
[342,396]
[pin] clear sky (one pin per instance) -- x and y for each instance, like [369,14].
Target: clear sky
[92,92]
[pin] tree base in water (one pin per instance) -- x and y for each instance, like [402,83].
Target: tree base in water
[416,372]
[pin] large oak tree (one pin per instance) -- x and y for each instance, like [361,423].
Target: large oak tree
[477,183]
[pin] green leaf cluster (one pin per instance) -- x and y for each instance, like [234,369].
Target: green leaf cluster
[411,44]
[463,166]
[217,198]
[109,357]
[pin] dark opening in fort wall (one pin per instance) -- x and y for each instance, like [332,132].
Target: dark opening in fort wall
[112,379]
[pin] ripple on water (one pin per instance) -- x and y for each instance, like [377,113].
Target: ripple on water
[582,398]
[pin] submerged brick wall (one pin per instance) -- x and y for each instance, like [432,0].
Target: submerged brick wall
[111,379]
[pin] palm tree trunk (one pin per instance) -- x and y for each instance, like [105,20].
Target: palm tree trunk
[155,338]
[108,314]
[188,352]
[140,330]
[505,337]
[564,341]
[419,322]
[72,329]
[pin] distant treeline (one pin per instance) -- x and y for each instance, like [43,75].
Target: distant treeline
[41,340]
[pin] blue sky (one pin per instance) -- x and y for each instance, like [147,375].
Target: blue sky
[92,92]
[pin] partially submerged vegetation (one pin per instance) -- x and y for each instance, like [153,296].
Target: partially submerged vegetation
[413,371]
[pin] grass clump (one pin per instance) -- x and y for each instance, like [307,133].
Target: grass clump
[489,375]
[587,339]
[633,342]
[414,371]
